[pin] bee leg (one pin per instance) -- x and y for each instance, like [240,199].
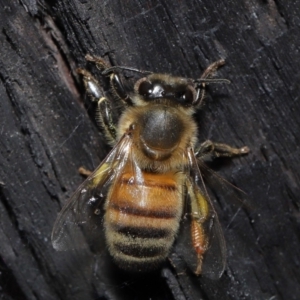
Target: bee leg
[200,243]
[115,80]
[98,61]
[103,110]
[211,149]
[84,172]
[105,121]
[199,214]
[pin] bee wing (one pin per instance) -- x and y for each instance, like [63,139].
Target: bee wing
[206,235]
[79,224]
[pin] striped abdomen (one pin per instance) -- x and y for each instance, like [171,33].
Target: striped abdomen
[142,219]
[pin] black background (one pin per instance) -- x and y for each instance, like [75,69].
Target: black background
[46,134]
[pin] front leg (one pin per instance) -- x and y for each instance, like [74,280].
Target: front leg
[103,111]
[211,149]
[115,80]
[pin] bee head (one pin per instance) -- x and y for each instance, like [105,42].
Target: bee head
[162,87]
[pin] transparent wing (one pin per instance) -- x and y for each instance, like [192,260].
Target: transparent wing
[202,243]
[79,224]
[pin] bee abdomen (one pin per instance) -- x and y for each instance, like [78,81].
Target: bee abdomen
[137,244]
[137,247]
[140,230]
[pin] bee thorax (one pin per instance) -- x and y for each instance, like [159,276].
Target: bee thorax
[160,132]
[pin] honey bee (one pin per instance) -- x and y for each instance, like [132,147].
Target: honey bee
[150,184]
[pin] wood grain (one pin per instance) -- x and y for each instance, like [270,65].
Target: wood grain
[46,134]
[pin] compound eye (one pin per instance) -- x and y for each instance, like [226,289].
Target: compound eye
[145,88]
[186,97]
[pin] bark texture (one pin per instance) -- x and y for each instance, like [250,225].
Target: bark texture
[46,134]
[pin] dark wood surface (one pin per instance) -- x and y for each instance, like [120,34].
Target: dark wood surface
[46,134]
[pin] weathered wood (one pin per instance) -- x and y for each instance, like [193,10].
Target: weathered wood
[46,135]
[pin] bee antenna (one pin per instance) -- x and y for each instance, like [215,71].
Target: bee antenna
[200,81]
[114,68]
[200,87]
